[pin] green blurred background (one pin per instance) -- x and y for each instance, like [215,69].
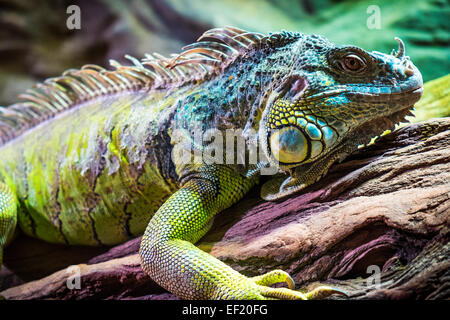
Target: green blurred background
[35,42]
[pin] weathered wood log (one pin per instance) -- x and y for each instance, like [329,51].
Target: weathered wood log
[386,208]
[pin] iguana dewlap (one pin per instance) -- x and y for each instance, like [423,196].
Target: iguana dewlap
[96,157]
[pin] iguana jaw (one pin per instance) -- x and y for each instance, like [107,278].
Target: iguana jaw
[295,179]
[397,105]
[391,108]
[392,104]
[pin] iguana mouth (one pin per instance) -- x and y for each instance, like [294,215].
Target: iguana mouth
[413,94]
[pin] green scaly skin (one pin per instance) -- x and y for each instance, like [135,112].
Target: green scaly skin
[87,159]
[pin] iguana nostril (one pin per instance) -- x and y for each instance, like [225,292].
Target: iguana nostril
[409,71]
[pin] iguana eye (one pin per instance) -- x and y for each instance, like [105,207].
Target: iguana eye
[352,62]
[289,145]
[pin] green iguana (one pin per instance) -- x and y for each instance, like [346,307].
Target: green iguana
[96,157]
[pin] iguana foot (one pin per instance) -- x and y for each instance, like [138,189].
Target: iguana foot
[278,276]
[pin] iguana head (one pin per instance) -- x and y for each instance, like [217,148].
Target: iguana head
[329,100]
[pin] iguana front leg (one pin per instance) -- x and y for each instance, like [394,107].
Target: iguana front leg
[169,256]
[8,217]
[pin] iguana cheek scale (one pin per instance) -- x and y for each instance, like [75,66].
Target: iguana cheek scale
[87,158]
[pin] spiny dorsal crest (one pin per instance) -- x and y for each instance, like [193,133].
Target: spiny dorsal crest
[210,55]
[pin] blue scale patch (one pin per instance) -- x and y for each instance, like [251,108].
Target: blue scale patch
[338,100]
[302,122]
[321,122]
[329,135]
[311,118]
[313,131]
[385,90]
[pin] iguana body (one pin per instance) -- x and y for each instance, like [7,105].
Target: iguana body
[87,158]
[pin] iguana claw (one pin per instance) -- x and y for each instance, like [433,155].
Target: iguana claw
[278,276]
[323,292]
